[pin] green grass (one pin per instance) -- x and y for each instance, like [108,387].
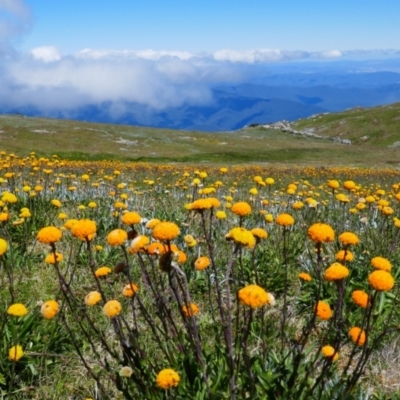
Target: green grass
[88,141]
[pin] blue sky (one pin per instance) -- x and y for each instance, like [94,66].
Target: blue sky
[65,54]
[210,25]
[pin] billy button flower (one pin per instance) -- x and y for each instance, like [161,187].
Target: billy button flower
[165,231]
[336,272]
[50,259]
[129,290]
[167,379]
[241,236]
[253,296]
[152,223]
[321,233]
[259,234]
[102,272]
[200,205]
[348,239]
[330,352]
[17,310]
[49,235]
[155,248]
[381,263]
[344,255]
[15,353]
[304,276]
[357,335]
[284,220]
[84,229]
[381,280]
[131,218]
[241,208]
[112,308]
[360,298]
[139,244]
[190,310]
[117,237]
[92,298]
[202,263]
[3,246]
[49,309]
[323,310]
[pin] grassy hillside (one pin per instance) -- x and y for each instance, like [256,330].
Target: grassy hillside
[79,140]
[377,126]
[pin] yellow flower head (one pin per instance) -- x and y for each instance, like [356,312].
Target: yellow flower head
[381,280]
[56,203]
[138,244]
[3,246]
[259,233]
[284,220]
[200,205]
[102,271]
[84,229]
[381,263]
[323,310]
[253,296]
[129,290]
[131,218]
[202,263]
[50,258]
[344,255]
[92,298]
[333,184]
[336,272]
[220,214]
[241,236]
[357,335]
[17,310]
[167,378]
[15,353]
[321,233]
[112,308]
[329,352]
[241,208]
[349,185]
[49,235]
[348,238]
[117,237]
[165,231]
[360,298]
[305,276]
[155,248]
[49,309]
[190,310]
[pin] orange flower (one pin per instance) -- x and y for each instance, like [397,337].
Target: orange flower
[329,352]
[117,237]
[321,233]
[84,229]
[336,272]
[284,220]
[49,235]
[360,298]
[202,263]
[241,208]
[190,310]
[381,263]
[165,231]
[129,290]
[381,280]
[323,310]
[357,336]
[348,238]
[49,309]
[305,276]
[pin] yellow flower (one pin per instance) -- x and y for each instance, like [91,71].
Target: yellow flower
[344,255]
[348,238]
[3,246]
[155,248]
[305,276]
[112,308]
[329,352]
[165,231]
[381,263]
[357,335]
[241,208]
[349,185]
[8,197]
[84,229]
[336,272]
[139,243]
[50,258]
[241,236]
[202,263]
[270,181]
[117,237]
[17,310]
[167,378]
[62,216]
[56,203]
[15,353]
[220,214]
[102,271]
[49,309]
[4,216]
[321,233]
[360,298]
[269,218]
[333,184]
[152,223]
[131,218]
[323,310]
[92,298]
[129,290]
[381,280]
[259,233]
[49,235]
[200,205]
[190,310]
[253,296]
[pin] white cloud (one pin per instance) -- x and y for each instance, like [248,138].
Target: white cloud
[46,53]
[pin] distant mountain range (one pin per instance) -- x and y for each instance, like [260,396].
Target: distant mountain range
[274,97]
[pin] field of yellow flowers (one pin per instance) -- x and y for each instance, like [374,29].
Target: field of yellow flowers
[136,280]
